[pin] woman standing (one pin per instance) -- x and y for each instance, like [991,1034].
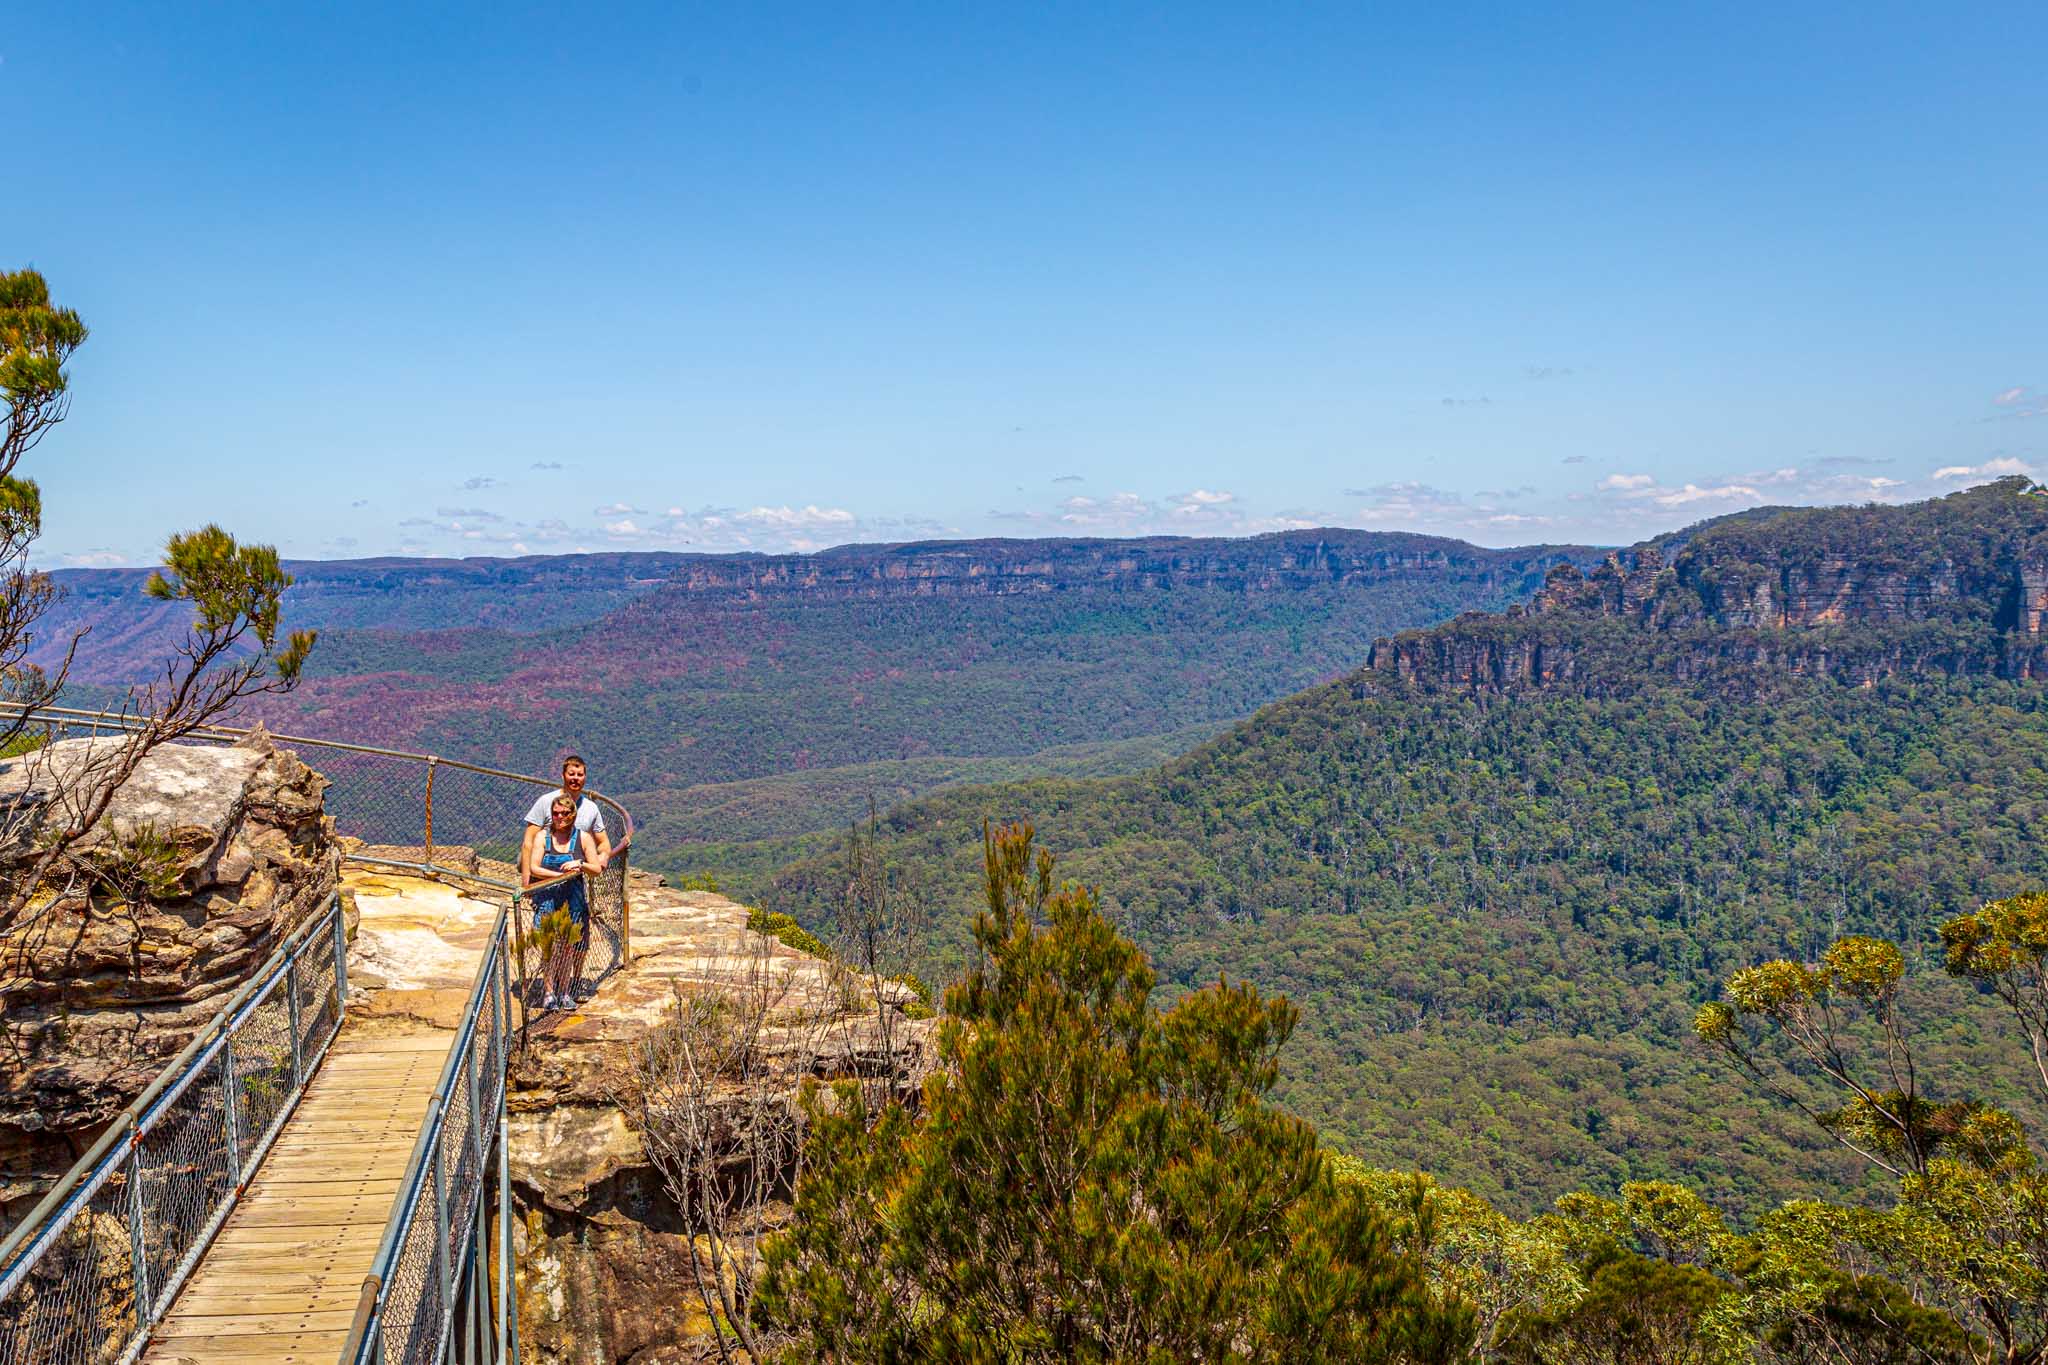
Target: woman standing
[562,851]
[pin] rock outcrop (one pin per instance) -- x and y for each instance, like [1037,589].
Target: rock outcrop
[604,1263]
[103,985]
[1954,587]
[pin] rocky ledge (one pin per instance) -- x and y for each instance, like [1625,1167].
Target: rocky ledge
[604,1263]
[604,1260]
[100,989]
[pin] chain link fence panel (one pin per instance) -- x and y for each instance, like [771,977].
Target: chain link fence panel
[87,1275]
[89,1272]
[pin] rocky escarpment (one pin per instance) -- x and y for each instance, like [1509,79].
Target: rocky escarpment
[1284,561]
[604,1261]
[102,985]
[1957,586]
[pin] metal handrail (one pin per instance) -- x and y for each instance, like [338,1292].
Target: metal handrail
[122,1141]
[121,1144]
[366,1331]
[228,734]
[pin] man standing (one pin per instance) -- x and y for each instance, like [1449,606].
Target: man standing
[589,819]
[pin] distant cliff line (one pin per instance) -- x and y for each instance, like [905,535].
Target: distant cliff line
[1956,586]
[1278,561]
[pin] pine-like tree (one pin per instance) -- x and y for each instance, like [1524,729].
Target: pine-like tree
[1091,1178]
[232,649]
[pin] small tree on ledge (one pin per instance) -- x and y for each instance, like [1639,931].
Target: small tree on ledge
[1092,1178]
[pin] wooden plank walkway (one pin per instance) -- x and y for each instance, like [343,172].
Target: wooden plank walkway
[281,1281]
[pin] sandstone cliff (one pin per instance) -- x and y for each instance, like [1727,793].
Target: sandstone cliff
[1271,563]
[1958,586]
[103,988]
[604,1264]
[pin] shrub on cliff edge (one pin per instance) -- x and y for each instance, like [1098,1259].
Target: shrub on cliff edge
[1091,1178]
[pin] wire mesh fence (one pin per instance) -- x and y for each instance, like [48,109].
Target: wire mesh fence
[431,814]
[420,1302]
[89,1272]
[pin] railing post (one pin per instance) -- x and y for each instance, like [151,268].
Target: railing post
[504,1231]
[340,960]
[432,763]
[477,1270]
[291,1000]
[441,1221]
[231,1121]
[138,1251]
[519,946]
[505,1000]
[476,1109]
[625,910]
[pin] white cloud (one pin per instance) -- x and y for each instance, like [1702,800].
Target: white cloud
[1692,492]
[1409,501]
[2011,396]
[95,559]
[617,509]
[1990,469]
[808,516]
[1627,482]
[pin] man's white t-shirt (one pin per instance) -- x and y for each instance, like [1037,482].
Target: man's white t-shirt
[589,819]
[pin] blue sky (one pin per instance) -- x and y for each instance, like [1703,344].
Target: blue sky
[504,279]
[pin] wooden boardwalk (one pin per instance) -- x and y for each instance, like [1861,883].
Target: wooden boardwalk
[281,1281]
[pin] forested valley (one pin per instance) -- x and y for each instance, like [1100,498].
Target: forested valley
[1499,898]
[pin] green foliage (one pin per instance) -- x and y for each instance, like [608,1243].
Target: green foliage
[556,929]
[1635,1311]
[1498,942]
[1658,1275]
[698,881]
[788,932]
[1091,1178]
[26,742]
[36,338]
[140,866]
[1503,1270]
[231,588]
[921,1007]
[1967,1229]
[21,509]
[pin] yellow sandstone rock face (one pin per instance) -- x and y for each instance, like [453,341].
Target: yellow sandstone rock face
[97,997]
[603,1255]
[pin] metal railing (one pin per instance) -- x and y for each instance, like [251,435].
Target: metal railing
[432,1293]
[92,1268]
[420,813]
[86,1275]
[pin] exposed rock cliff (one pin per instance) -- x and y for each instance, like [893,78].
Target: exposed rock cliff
[1957,586]
[1269,563]
[102,989]
[604,1265]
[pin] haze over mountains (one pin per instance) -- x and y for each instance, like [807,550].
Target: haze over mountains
[1497,860]
[815,682]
